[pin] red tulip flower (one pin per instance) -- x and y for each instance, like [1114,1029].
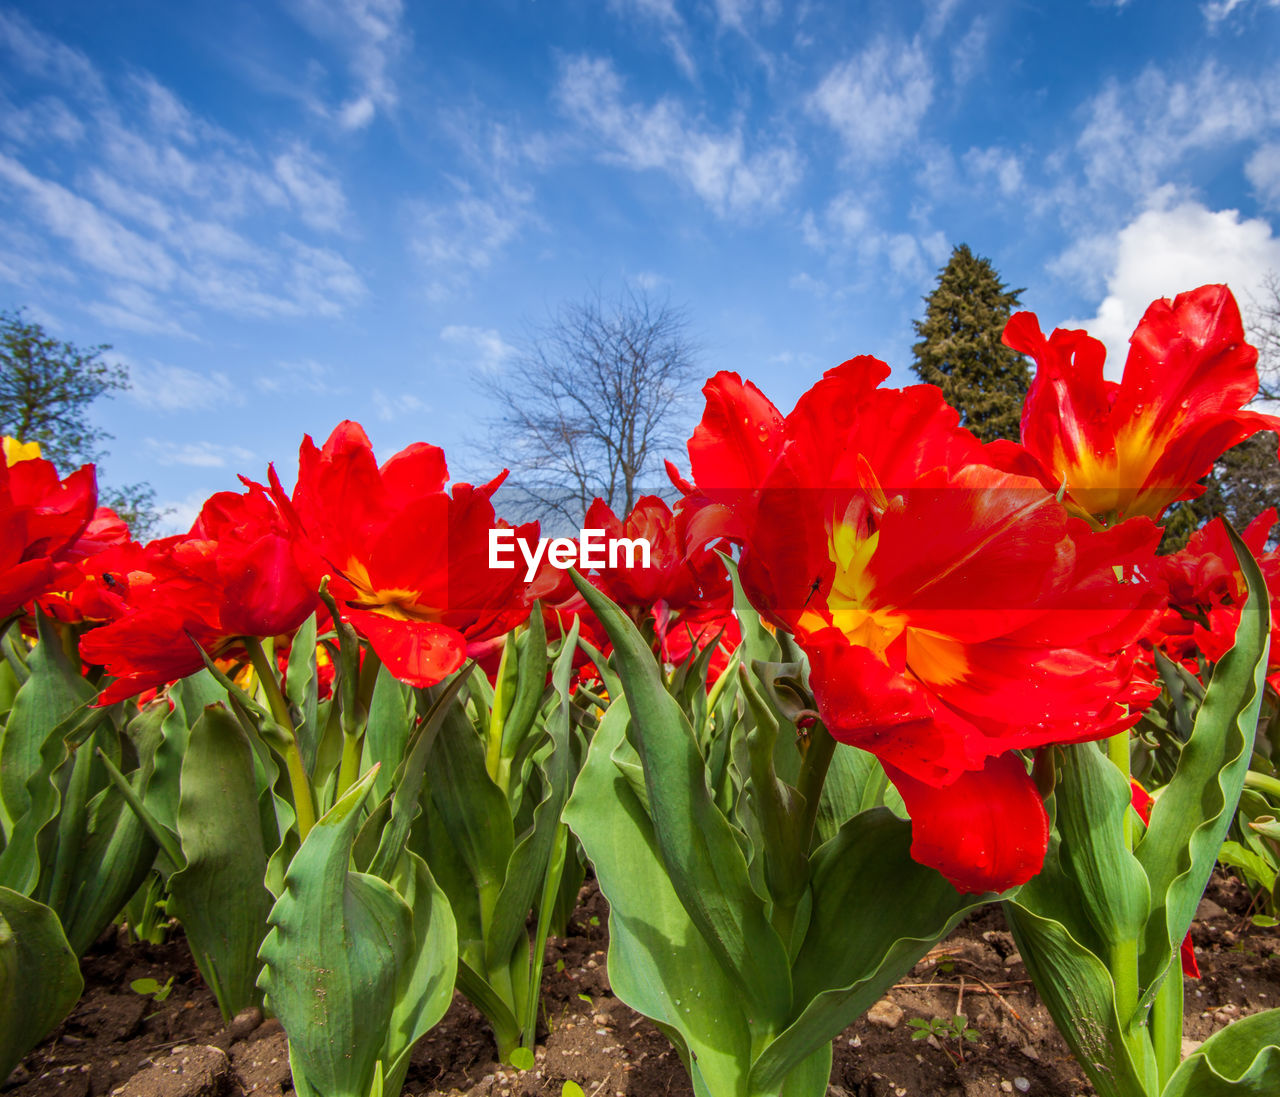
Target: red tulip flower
[41,517]
[407,561]
[1135,447]
[952,612]
[232,576]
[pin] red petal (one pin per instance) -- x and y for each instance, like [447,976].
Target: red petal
[986,831]
[420,653]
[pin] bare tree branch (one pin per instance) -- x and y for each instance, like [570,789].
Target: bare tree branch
[588,407]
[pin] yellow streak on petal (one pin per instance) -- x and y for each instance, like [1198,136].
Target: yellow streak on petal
[15,451]
[936,659]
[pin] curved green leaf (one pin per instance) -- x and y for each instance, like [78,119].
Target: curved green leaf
[219,895]
[39,977]
[333,959]
[701,853]
[1241,1060]
[660,963]
[875,913]
[1191,816]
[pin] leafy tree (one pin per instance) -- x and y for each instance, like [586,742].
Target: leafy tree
[46,387]
[586,408]
[960,349]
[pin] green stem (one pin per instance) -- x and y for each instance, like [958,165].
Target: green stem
[349,769]
[303,803]
[813,775]
[1261,782]
[1166,1022]
[1123,959]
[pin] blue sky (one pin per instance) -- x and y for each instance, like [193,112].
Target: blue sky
[282,214]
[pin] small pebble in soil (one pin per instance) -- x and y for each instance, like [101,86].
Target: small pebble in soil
[1021,1085]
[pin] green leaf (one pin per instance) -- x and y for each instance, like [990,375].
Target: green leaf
[660,964]
[1241,1060]
[1191,816]
[115,853]
[701,854]
[424,988]
[1093,801]
[302,689]
[49,696]
[333,957]
[527,868]
[854,950]
[39,977]
[387,731]
[219,896]
[522,1059]
[1073,982]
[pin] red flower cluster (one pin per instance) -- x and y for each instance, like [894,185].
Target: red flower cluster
[1205,592]
[1134,447]
[406,560]
[684,596]
[952,612]
[42,517]
[231,576]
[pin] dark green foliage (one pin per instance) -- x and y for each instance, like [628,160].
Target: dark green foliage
[960,349]
[1244,482]
[46,387]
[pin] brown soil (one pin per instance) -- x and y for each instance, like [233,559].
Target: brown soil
[119,1042]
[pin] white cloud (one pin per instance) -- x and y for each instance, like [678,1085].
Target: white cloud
[876,100]
[969,54]
[160,209]
[305,375]
[373,36]
[160,387]
[1263,171]
[674,31]
[204,455]
[95,237]
[716,165]
[1173,247]
[43,56]
[317,195]
[996,165]
[389,408]
[486,346]
[1137,131]
[458,238]
[179,515]
[1217,11]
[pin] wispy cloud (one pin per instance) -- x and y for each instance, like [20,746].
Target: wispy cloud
[160,387]
[372,37]
[485,347]
[1217,12]
[876,99]
[205,455]
[316,194]
[1137,130]
[663,15]
[389,407]
[457,238]
[304,375]
[162,210]
[662,137]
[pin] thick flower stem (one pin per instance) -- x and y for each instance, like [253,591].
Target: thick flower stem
[813,775]
[1123,959]
[1166,1022]
[303,804]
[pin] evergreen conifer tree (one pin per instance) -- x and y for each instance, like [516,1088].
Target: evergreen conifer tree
[960,349]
